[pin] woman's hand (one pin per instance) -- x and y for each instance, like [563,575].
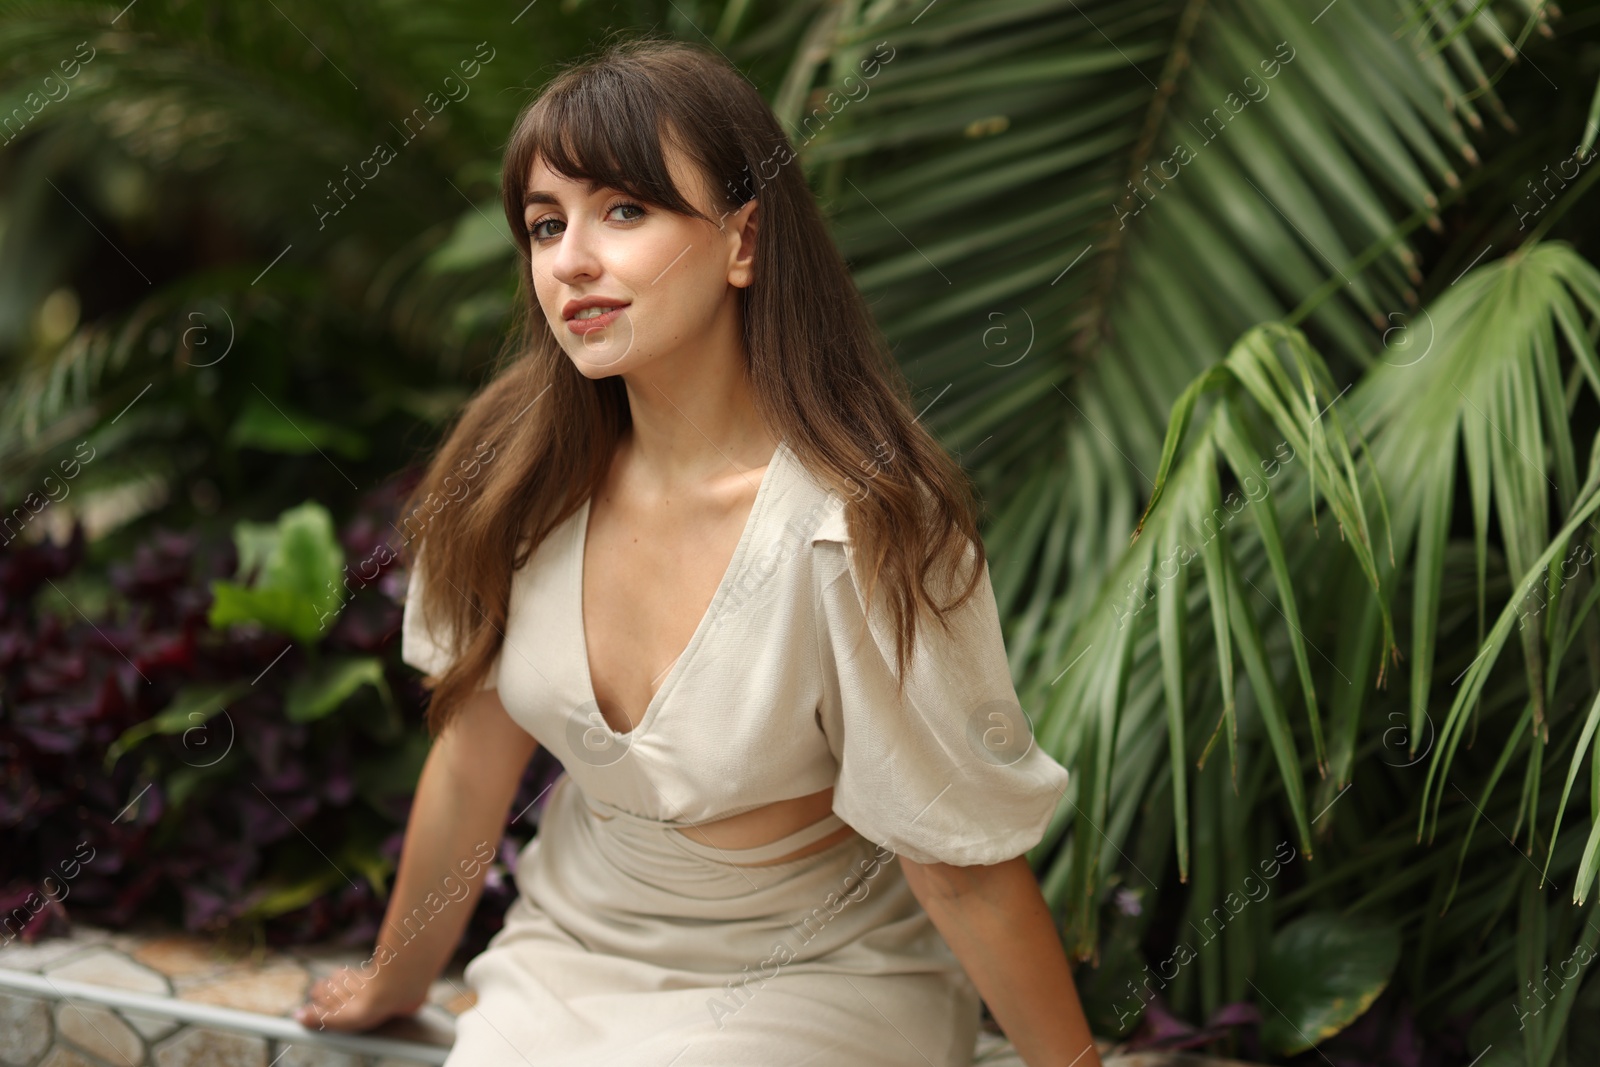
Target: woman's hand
[346,1001]
[463,796]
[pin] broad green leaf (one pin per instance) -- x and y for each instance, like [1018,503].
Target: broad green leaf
[276,609]
[1320,973]
[319,691]
[297,567]
[189,714]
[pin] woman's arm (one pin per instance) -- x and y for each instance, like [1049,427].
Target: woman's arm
[457,818]
[996,922]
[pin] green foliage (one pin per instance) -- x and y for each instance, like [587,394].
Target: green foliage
[1153,266]
[186,716]
[395,771]
[266,426]
[320,691]
[296,564]
[1323,971]
[1098,346]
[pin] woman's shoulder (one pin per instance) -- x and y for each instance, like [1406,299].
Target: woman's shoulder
[813,511]
[824,504]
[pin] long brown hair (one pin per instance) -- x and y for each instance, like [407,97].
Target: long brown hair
[535,442]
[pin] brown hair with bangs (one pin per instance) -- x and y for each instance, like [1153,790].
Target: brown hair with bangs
[539,437]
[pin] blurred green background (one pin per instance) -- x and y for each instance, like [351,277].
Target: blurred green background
[1323,268]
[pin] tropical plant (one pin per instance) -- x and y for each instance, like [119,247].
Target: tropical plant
[1184,272]
[211,751]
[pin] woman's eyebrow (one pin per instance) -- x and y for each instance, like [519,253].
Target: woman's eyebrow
[539,196]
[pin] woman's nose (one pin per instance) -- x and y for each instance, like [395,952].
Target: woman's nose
[577,257]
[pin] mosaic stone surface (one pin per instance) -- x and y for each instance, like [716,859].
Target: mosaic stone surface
[61,1033]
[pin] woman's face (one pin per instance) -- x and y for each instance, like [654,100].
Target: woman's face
[623,283]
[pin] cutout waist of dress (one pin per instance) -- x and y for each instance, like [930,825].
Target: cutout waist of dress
[756,854]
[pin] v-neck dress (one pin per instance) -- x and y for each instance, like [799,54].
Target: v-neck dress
[632,944]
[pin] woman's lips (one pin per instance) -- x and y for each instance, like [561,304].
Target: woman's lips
[598,322]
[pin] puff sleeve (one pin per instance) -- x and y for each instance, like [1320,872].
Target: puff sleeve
[418,645]
[951,774]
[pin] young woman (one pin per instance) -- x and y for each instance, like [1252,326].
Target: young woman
[695,543]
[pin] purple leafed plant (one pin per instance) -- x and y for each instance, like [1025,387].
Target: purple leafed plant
[120,802]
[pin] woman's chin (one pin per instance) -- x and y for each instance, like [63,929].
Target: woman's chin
[594,368]
[600,363]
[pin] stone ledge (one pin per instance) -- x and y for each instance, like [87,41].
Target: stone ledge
[98,998]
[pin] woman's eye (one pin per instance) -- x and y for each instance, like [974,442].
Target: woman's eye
[538,234]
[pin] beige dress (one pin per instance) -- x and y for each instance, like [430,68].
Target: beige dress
[632,945]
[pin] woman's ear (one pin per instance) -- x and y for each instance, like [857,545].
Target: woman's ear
[742,227]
